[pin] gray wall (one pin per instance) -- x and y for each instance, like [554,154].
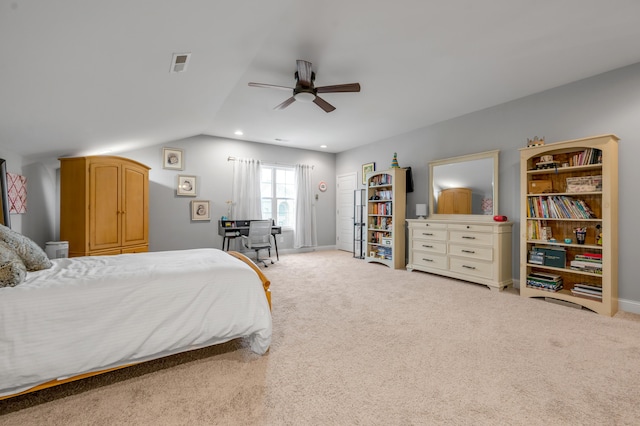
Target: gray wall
[608,103]
[170,225]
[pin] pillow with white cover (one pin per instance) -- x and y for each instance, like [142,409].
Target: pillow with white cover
[32,255]
[12,269]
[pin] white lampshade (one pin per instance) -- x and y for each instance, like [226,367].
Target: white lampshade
[421,210]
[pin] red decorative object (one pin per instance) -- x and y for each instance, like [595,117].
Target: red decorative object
[17,193]
[500,218]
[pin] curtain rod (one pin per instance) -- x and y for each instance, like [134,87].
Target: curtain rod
[231,158]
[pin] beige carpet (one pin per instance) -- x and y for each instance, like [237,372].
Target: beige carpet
[360,344]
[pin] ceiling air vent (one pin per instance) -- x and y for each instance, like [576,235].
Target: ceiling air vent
[179,62]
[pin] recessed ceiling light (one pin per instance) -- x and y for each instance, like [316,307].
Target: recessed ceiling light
[238,133]
[323,146]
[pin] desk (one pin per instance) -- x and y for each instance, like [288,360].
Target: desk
[231,229]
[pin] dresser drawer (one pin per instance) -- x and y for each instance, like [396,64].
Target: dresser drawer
[471,228]
[470,238]
[429,225]
[472,252]
[429,234]
[430,260]
[475,268]
[430,246]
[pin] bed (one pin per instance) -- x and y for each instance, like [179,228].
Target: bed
[87,315]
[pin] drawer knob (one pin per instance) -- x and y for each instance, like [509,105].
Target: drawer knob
[468,267]
[427,234]
[468,238]
[468,251]
[424,245]
[427,260]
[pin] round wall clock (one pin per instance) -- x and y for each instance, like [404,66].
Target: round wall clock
[322,186]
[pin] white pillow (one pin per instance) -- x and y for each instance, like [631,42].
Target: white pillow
[32,255]
[12,270]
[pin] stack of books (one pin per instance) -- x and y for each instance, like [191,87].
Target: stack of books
[589,291]
[544,281]
[588,262]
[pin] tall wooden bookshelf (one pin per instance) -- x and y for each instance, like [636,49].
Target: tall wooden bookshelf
[575,189]
[386,203]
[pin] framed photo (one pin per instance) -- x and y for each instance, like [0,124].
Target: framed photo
[200,210]
[367,168]
[186,185]
[172,158]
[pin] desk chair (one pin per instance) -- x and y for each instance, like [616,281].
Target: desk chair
[259,238]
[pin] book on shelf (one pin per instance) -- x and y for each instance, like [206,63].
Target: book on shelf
[558,207]
[545,276]
[588,287]
[591,256]
[536,257]
[544,286]
[587,262]
[544,281]
[553,256]
[539,231]
[588,156]
[589,294]
[584,184]
[382,179]
[583,267]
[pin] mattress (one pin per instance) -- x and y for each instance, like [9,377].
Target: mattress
[92,313]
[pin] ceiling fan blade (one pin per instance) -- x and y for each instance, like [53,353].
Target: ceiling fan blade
[286,103]
[270,86]
[350,87]
[304,72]
[326,106]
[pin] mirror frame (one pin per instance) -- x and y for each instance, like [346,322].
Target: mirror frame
[472,217]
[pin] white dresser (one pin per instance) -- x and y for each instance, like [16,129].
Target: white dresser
[474,251]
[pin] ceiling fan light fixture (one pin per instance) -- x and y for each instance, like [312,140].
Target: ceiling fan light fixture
[304,97]
[306,92]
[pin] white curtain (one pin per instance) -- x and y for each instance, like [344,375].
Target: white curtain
[305,233]
[246,189]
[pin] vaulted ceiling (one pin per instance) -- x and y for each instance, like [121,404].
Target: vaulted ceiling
[85,77]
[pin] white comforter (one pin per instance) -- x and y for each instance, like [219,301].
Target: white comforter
[90,313]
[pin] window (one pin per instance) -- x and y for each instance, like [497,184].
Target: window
[278,193]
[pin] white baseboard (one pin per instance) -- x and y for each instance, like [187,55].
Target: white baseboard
[630,306]
[306,249]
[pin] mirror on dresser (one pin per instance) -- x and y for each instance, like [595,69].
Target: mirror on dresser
[465,186]
[460,239]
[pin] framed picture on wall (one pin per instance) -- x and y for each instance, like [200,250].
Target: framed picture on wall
[367,168]
[186,186]
[172,158]
[200,210]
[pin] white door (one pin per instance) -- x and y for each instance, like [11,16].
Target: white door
[346,184]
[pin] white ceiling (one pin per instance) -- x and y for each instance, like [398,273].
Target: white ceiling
[85,76]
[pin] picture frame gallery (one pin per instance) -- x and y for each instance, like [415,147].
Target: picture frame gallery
[187,186]
[172,158]
[200,210]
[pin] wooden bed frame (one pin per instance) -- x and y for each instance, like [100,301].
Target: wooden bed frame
[265,284]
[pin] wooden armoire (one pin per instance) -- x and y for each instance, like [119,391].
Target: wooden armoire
[454,201]
[104,205]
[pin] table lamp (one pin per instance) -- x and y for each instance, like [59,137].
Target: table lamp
[421,210]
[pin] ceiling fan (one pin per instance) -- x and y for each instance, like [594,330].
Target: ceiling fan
[305,90]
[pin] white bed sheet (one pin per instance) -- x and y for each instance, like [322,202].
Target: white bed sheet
[91,313]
